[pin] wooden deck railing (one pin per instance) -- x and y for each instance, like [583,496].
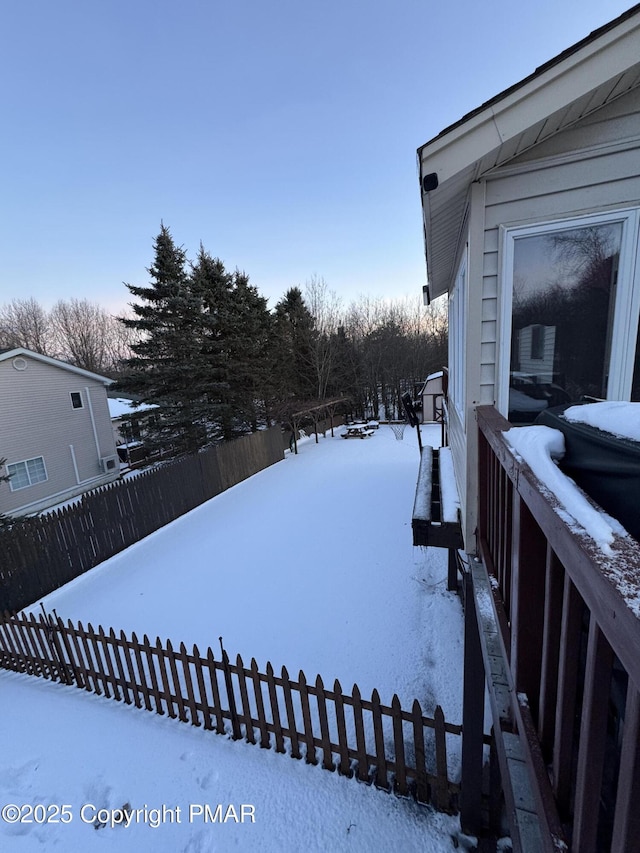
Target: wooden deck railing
[392,748]
[568,618]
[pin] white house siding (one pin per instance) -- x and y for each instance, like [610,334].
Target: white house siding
[38,419]
[558,183]
[589,168]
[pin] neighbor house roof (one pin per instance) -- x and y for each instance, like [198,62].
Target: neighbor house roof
[18,352]
[120,406]
[581,79]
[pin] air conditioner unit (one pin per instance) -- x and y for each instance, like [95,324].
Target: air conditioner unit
[109,464]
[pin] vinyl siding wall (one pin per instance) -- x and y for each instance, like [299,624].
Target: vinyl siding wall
[556,181]
[38,419]
[592,167]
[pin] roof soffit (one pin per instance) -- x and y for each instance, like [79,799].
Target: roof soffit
[549,101]
[506,120]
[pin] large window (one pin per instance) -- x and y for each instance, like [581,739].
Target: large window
[573,313]
[26,473]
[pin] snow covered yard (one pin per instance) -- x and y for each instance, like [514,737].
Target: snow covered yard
[308,564]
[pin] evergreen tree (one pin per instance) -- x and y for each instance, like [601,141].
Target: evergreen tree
[248,346]
[214,286]
[176,361]
[292,349]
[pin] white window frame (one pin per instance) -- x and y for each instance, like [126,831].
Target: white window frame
[25,462]
[79,393]
[626,309]
[457,339]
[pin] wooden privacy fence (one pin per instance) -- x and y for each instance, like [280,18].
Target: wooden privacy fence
[42,553]
[395,749]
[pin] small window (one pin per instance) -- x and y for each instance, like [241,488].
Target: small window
[76,399]
[26,473]
[537,342]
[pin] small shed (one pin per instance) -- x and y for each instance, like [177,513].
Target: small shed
[431,396]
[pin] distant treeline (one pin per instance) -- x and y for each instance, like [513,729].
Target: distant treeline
[201,344]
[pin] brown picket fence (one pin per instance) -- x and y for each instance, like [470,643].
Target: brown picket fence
[397,750]
[42,553]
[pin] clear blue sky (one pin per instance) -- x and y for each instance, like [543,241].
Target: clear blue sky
[280,133]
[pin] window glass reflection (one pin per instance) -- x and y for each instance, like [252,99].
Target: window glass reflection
[562,316]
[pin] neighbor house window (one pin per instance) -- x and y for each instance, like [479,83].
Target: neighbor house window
[573,311]
[76,399]
[26,473]
[537,342]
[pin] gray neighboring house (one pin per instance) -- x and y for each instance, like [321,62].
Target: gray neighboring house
[56,434]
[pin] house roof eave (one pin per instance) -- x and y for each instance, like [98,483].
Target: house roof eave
[500,129]
[54,362]
[601,56]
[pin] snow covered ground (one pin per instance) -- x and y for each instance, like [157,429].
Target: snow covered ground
[308,564]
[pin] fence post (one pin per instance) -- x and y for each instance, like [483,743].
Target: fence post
[52,637]
[398,746]
[327,755]
[275,709]
[422,780]
[291,717]
[215,691]
[244,698]
[381,780]
[344,766]
[361,743]
[265,741]
[310,755]
[231,698]
[442,777]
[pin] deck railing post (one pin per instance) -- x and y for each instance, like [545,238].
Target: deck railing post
[626,825]
[591,752]
[550,652]
[527,596]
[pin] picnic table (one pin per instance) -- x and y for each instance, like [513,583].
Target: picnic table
[357,431]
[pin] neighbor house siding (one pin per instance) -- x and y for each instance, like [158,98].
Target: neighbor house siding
[38,419]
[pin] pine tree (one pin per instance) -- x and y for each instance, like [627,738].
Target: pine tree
[293,348]
[175,363]
[213,286]
[238,323]
[249,339]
